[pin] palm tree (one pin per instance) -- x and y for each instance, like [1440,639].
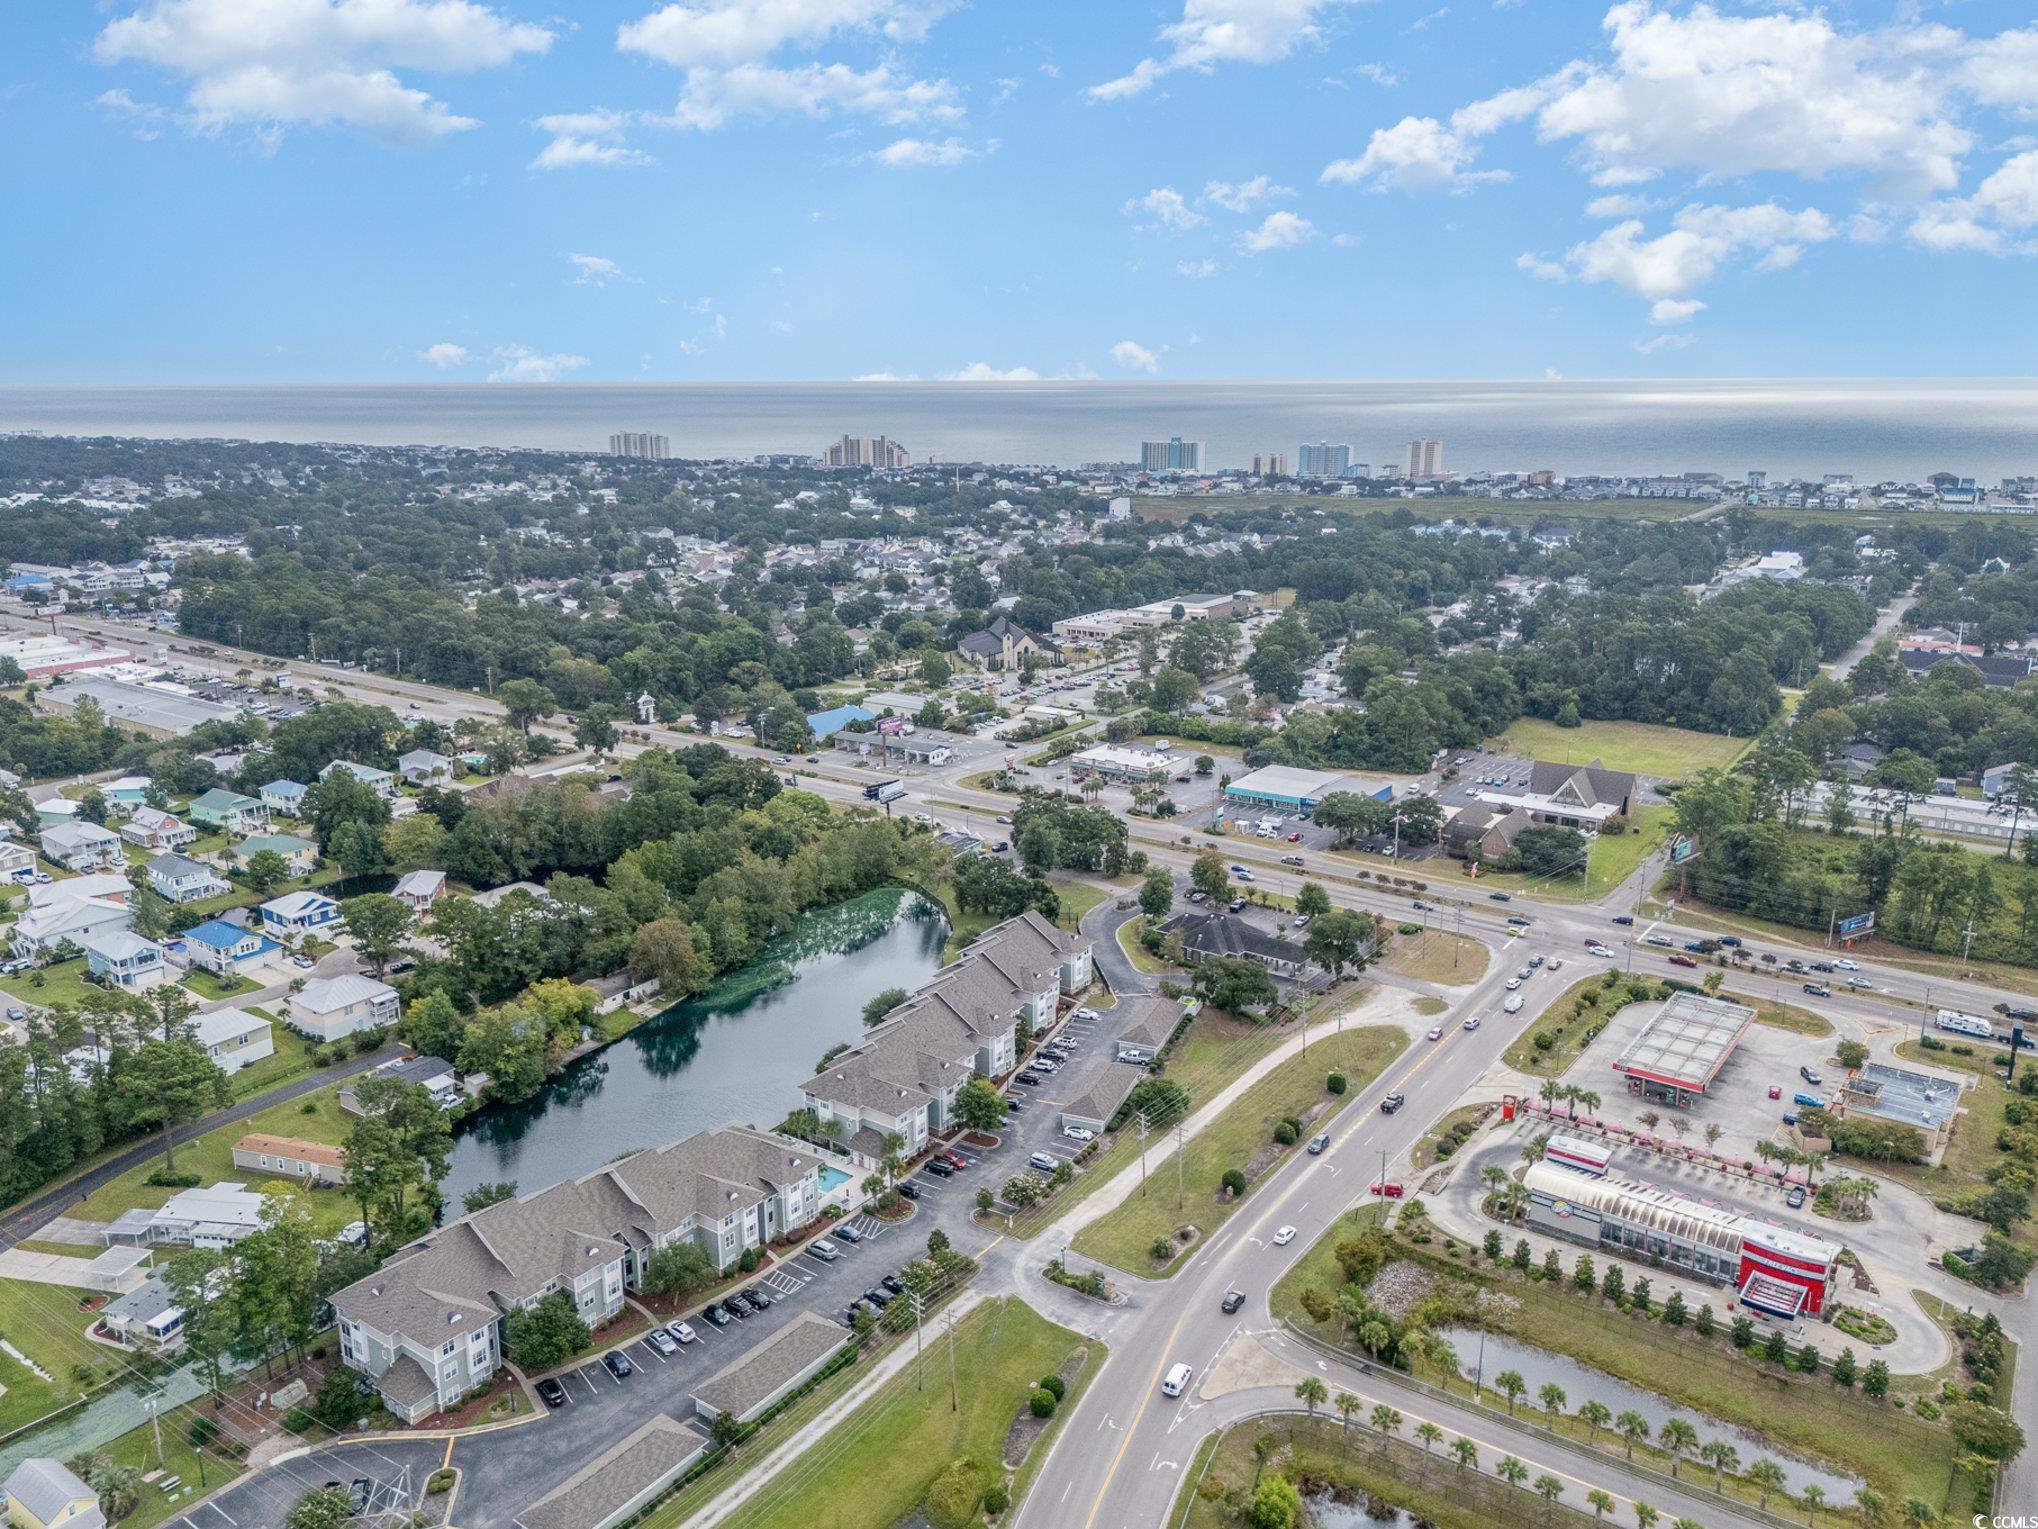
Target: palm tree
[1870,1502]
[1351,1311]
[1633,1428]
[1388,1421]
[1595,1416]
[1645,1516]
[1600,1502]
[1465,1452]
[1514,1200]
[1767,1475]
[1814,1499]
[1549,1488]
[1532,1151]
[1553,1399]
[1676,1437]
[1589,1099]
[1511,1471]
[1346,1405]
[1375,1336]
[892,1164]
[1548,1090]
[1430,1435]
[1494,1175]
[1685,1523]
[1510,1384]
[1919,1514]
[1311,1392]
[1723,1457]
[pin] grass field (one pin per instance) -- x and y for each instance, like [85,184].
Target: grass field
[1077,898]
[875,1467]
[1128,941]
[1233,1140]
[291,1061]
[138,1449]
[317,1117]
[1568,1021]
[1430,1488]
[1454,960]
[1668,753]
[1972,1151]
[62,983]
[44,1322]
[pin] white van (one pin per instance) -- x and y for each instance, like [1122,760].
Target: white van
[1176,1381]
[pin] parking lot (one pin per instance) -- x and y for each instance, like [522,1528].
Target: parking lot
[394,1473]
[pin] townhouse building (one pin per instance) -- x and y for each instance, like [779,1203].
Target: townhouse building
[427,1326]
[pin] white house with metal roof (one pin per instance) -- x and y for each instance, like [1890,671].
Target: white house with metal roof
[328,1008]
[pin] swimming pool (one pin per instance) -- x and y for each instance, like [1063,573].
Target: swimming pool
[832,1179]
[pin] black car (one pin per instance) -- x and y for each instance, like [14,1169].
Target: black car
[1233,1299]
[551,1393]
[1030,1079]
[359,1494]
[941,1168]
[1392,1103]
[910,1191]
[618,1366]
[894,1284]
[716,1315]
[736,1309]
[849,1313]
[758,1300]
[1818,990]
[878,1298]
[1501,897]
[1014,1105]
[1623,918]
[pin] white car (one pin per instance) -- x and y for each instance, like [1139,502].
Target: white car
[1843,964]
[1086,1013]
[1079,1133]
[1043,1064]
[1472,1022]
[662,1341]
[1513,983]
[1513,1005]
[681,1331]
[1284,1236]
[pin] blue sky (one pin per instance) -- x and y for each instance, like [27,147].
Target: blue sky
[459,190]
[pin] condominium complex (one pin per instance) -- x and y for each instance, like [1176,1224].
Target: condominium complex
[1324,461]
[632,443]
[867,451]
[1273,464]
[1174,455]
[1425,460]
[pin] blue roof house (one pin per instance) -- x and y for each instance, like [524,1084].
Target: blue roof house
[826,724]
[223,949]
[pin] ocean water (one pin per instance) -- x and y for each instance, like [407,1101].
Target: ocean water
[1872,430]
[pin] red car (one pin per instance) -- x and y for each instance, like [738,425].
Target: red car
[1391,1190]
[955,1159]
[1681,959]
[1295,838]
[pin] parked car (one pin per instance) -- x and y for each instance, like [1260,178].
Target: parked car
[618,1366]
[1392,1103]
[551,1393]
[1795,1199]
[1079,1133]
[1295,838]
[758,1299]
[909,1189]
[680,1330]
[1284,1236]
[849,1234]
[1030,1079]
[1811,1075]
[878,1298]
[360,1494]
[850,1311]
[1389,1190]
[661,1340]
[1233,1299]
[716,1315]
[822,1249]
[941,1169]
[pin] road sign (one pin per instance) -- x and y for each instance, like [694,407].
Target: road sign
[1681,849]
[1856,927]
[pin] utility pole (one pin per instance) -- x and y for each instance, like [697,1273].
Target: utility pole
[155,1424]
[1967,946]
[1145,1125]
[919,1341]
[1178,1165]
[954,1402]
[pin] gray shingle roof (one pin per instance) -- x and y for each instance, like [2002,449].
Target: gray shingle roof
[1595,783]
[787,1356]
[612,1484]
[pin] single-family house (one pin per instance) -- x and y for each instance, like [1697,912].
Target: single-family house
[290,1156]
[301,855]
[427,1325]
[148,1316]
[81,846]
[234,1038]
[215,1216]
[285,798]
[435,1075]
[46,927]
[127,793]
[296,914]
[327,1008]
[1226,936]
[422,767]
[44,1494]
[15,858]
[418,890]
[122,959]
[224,949]
[229,812]
[55,809]
[153,829]
[382,781]
[184,880]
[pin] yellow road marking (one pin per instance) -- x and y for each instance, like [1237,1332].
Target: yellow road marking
[450,1442]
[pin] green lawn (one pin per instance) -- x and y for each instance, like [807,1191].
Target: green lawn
[317,1117]
[1077,898]
[291,1061]
[44,1322]
[1123,1235]
[208,986]
[62,983]
[1431,1488]
[1609,861]
[1128,941]
[875,1467]
[1668,753]
[138,1449]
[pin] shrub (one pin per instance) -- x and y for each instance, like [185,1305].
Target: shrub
[749,1261]
[997,1499]
[1043,1402]
[1234,1181]
[297,1420]
[1285,1133]
[1335,1083]
[1162,1250]
[163,1180]
[203,1432]
[442,1481]
[952,1500]
[1055,1384]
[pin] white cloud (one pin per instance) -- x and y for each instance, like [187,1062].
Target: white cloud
[595,270]
[726,32]
[1665,269]
[886,377]
[1280,231]
[716,332]
[267,65]
[443,355]
[1379,74]
[2006,201]
[917,152]
[711,97]
[983,371]
[1663,342]
[587,138]
[1423,154]
[1196,270]
[1213,32]
[1674,310]
[1167,207]
[519,363]
[1135,357]
[1546,270]
[1239,196]
[1616,206]
[146,117]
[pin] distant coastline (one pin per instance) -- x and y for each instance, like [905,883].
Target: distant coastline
[1871,430]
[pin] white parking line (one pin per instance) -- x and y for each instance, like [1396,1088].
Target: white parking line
[221,1512]
[650,1349]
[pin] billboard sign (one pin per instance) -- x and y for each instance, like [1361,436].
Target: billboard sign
[1681,849]
[1855,928]
[891,725]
